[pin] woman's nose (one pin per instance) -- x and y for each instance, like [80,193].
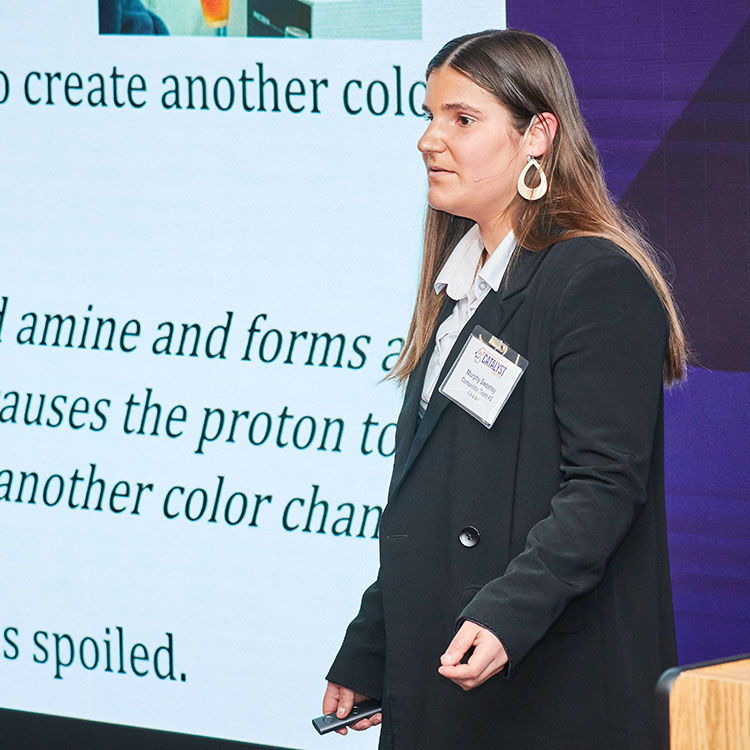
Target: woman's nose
[430,140]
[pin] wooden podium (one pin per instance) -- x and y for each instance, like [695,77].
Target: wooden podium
[705,706]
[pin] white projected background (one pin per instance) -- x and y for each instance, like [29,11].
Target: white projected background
[196,309]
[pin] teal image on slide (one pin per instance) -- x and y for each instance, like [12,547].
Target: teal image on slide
[290,19]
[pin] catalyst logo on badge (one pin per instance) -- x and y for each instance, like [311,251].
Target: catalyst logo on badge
[483,357]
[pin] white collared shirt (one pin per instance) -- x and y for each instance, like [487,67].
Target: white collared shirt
[468,287]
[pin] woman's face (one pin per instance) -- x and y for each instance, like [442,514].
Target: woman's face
[471,150]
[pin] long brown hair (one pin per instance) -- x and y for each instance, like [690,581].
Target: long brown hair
[528,76]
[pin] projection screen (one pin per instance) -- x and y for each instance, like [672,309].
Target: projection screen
[211,242]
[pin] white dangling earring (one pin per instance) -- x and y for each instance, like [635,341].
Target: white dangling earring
[532,194]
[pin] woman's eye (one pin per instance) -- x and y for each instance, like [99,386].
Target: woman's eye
[427,116]
[464,120]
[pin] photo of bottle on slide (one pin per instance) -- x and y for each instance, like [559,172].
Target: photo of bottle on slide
[280,19]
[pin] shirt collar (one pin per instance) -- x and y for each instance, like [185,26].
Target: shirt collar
[459,272]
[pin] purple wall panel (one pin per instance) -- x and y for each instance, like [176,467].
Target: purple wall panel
[665,90]
[635,65]
[708,504]
[693,193]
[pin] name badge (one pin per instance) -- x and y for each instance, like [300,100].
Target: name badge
[483,376]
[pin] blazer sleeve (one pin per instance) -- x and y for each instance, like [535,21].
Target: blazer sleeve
[607,353]
[360,662]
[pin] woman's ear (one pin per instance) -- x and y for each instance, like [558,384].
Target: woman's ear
[541,134]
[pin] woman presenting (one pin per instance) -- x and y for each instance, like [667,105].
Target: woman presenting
[523,598]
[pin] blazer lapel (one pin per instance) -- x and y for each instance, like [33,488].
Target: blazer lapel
[409,415]
[494,314]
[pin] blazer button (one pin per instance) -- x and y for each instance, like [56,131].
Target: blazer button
[469,537]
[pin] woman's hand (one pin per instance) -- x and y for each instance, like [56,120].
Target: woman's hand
[488,659]
[340,699]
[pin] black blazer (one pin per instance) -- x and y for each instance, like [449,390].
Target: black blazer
[566,490]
